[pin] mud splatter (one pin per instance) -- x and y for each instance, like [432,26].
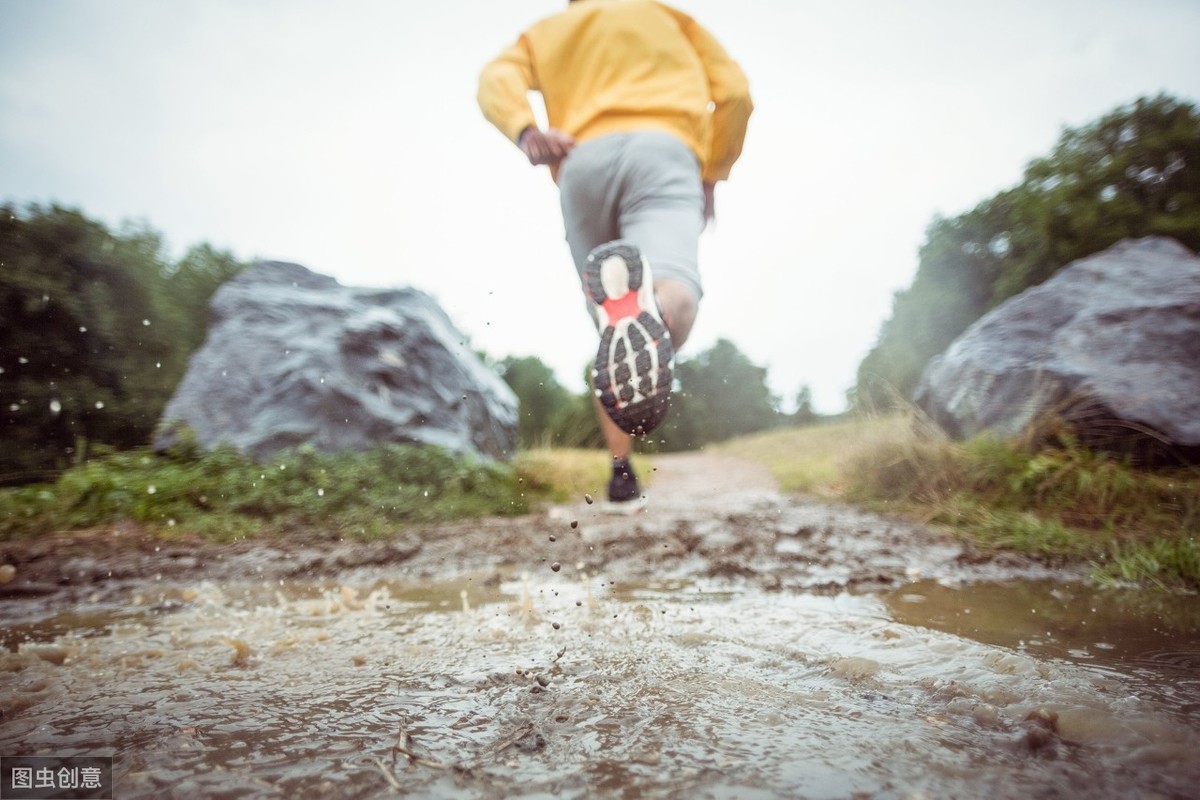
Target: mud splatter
[729,641]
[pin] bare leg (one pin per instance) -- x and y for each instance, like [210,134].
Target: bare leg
[678,307]
[620,443]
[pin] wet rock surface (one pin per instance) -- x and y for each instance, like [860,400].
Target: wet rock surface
[294,358]
[1111,341]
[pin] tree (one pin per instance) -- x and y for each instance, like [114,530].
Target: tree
[190,285]
[548,413]
[1135,172]
[77,339]
[804,414]
[721,394]
[92,340]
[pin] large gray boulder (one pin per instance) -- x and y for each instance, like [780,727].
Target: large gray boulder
[293,358]
[1111,342]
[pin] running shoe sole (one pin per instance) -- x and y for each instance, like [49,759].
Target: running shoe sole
[633,369]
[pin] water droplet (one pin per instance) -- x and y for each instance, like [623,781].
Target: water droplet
[556,566]
[588,498]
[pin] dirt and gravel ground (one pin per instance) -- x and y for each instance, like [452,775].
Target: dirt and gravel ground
[728,641]
[707,516]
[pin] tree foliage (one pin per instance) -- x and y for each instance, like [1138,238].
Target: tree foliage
[95,331]
[548,413]
[804,413]
[721,394]
[96,328]
[1135,172]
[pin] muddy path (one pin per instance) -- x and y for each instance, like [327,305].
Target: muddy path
[708,516]
[729,641]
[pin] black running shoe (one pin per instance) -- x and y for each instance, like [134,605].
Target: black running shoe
[624,485]
[632,375]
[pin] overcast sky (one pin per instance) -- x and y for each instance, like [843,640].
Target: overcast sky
[345,136]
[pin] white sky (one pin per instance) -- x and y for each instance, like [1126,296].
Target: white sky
[345,136]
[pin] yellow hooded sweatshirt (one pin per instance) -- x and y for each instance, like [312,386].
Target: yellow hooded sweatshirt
[609,66]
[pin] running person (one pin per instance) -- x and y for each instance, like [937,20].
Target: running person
[646,112]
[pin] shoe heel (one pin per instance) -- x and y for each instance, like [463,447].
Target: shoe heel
[594,270]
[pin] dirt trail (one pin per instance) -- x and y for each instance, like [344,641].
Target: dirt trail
[708,515]
[729,641]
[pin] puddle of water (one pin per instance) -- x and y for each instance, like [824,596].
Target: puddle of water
[1150,639]
[570,687]
[94,621]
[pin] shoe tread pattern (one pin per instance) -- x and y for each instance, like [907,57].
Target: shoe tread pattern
[632,372]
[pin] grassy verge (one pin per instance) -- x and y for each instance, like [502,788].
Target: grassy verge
[1061,502]
[818,459]
[567,474]
[224,496]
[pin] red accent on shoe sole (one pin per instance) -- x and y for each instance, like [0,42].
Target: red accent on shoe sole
[622,307]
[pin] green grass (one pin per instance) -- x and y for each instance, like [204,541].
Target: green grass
[1059,502]
[223,495]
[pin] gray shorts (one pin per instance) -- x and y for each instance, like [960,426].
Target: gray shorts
[643,187]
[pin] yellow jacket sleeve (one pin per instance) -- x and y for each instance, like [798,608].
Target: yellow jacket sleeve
[606,67]
[503,87]
[730,92]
